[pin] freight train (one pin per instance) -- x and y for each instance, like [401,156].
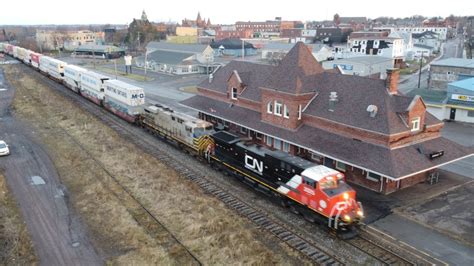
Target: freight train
[317,192]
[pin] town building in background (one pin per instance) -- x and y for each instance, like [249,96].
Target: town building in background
[377,43]
[441,31]
[449,70]
[67,40]
[233,47]
[365,66]
[178,59]
[98,51]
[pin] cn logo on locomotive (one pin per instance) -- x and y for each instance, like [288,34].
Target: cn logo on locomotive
[253,164]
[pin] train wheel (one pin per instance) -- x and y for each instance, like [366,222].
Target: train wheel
[294,209]
[309,217]
[284,203]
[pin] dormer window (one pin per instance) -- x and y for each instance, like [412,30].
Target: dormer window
[234,94]
[415,124]
[278,106]
[286,111]
[270,107]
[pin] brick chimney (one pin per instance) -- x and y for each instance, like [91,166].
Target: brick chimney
[393,75]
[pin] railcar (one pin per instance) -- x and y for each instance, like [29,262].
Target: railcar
[124,100]
[190,133]
[52,67]
[316,191]
[92,86]
[35,60]
[72,77]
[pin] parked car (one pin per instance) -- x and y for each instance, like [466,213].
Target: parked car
[4,148]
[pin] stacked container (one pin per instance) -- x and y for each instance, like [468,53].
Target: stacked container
[53,67]
[92,86]
[35,59]
[123,99]
[72,77]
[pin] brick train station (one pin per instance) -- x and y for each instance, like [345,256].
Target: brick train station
[380,139]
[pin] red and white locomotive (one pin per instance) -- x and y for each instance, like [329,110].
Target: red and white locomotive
[316,191]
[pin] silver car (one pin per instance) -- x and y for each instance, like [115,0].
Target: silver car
[4,148]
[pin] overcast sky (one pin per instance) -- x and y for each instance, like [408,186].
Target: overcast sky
[222,12]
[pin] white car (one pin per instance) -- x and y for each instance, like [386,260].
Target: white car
[4,148]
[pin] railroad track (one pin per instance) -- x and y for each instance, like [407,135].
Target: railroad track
[306,247]
[391,251]
[378,252]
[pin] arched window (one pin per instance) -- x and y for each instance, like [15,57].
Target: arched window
[270,107]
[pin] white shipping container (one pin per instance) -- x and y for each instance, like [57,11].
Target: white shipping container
[124,92]
[53,67]
[27,58]
[93,83]
[21,53]
[72,76]
[15,51]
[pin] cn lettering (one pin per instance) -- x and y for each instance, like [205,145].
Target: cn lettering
[253,164]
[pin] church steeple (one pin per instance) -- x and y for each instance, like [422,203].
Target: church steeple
[144,17]
[198,19]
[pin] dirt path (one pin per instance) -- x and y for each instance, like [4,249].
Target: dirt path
[90,156]
[55,229]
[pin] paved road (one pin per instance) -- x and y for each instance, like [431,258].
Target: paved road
[57,234]
[452,48]
[461,133]
[428,240]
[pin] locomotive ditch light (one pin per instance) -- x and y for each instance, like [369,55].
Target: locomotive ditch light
[347,218]
[345,196]
[360,213]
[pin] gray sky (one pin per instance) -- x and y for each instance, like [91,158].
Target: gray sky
[222,12]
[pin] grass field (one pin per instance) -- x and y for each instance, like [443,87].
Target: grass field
[16,247]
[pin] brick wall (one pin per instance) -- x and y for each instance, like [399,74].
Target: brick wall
[357,176]
[412,180]
[291,101]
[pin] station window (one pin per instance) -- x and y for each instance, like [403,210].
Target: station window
[286,147]
[286,111]
[243,130]
[316,157]
[340,166]
[278,108]
[373,176]
[258,135]
[415,124]
[269,141]
[234,93]
[277,144]
[299,111]
[270,107]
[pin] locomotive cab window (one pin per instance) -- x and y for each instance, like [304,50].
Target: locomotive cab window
[309,182]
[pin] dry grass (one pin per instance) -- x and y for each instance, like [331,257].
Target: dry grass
[16,247]
[212,232]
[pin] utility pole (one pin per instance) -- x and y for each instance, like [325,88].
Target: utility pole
[146,58]
[421,65]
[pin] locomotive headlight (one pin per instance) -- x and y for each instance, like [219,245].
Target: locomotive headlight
[360,213]
[345,196]
[347,218]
